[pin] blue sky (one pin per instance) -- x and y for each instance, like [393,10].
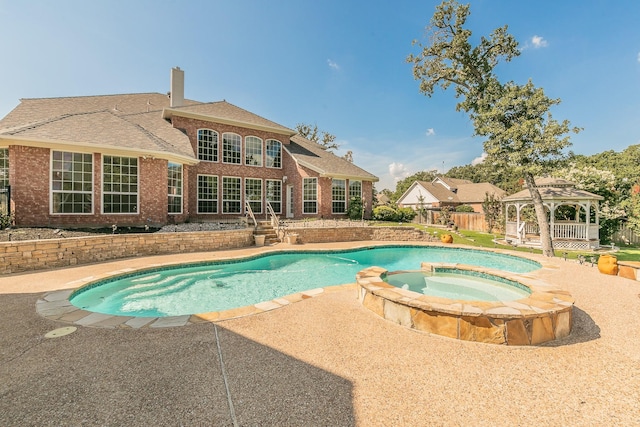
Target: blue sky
[338,64]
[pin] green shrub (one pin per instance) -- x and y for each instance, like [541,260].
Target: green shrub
[406,214]
[385,213]
[356,209]
[464,208]
[6,221]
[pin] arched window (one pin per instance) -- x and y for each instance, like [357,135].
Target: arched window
[252,151]
[207,145]
[274,154]
[231,148]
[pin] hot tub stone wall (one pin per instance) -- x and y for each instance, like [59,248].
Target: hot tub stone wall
[545,315]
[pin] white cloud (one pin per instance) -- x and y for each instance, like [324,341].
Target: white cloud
[333,64]
[479,160]
[538,42]
[638,56]
[398,171]
[430,132]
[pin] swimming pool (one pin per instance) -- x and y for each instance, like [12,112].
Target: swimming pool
[216,286]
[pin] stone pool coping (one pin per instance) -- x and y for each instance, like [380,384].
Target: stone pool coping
[545,315]
[55,305]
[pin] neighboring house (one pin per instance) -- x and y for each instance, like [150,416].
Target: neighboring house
[152,159]
[449,192]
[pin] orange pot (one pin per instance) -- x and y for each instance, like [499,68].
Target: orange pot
[446,238]
[608,264]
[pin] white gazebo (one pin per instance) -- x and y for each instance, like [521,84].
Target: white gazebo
[574,217]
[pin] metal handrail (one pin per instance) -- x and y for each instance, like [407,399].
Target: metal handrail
[271,213]
[249,212]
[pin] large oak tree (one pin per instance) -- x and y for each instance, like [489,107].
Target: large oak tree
[515,119]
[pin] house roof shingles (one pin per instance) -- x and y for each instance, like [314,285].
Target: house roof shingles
[313,156]
[137,122]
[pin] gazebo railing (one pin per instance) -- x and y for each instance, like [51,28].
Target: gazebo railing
[569,231]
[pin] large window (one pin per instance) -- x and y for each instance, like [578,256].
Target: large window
[207,145]
[253,193]
[119,185]
[310,195]
[71,183]
[174,188]
[231,192]
[231,146]
[274,154]
[274,195]
[207,194]
[252,151]
[338,196]
[355,190]
[4,167]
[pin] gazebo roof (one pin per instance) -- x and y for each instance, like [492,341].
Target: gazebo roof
[554,189]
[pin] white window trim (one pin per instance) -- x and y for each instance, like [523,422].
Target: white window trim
[137,193]
[265,154]
[241,159]
[266,187]
[217,148]
[217,199]
[222,199]
[314,200]
[346,192]
[181,196]
[262,198]
[51,191]
[262,151]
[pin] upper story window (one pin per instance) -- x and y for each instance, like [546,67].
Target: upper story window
[252,151]
[231,147]
[339,196]
[4,167]
[119,184]
[310,195]
[71,183]
[174,188]
[274,154]
[207,145]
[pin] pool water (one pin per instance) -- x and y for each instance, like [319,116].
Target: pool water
[452,285]
[217,286]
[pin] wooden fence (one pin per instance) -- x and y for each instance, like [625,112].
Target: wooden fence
[627,236]
[473,221]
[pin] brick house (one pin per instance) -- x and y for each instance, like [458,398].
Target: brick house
[152,159]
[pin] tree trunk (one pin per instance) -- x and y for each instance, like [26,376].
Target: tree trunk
[541,215]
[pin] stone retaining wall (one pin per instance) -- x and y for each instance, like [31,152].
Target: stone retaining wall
[352,234]
[42,254]
[16,257]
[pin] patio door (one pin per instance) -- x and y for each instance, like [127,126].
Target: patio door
[289,201]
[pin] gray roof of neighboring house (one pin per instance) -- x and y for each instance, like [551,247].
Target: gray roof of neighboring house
[466,191]
[311,155]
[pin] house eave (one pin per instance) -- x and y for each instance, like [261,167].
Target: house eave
[96,148]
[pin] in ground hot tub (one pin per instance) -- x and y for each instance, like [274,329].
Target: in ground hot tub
[444,299]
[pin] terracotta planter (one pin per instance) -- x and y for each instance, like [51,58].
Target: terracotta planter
[446,238]
[608,264]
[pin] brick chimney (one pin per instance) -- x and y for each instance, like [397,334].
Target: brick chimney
[177,88]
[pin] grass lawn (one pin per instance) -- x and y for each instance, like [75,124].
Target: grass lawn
[485,240]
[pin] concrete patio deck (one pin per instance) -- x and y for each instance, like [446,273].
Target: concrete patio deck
[320,361]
